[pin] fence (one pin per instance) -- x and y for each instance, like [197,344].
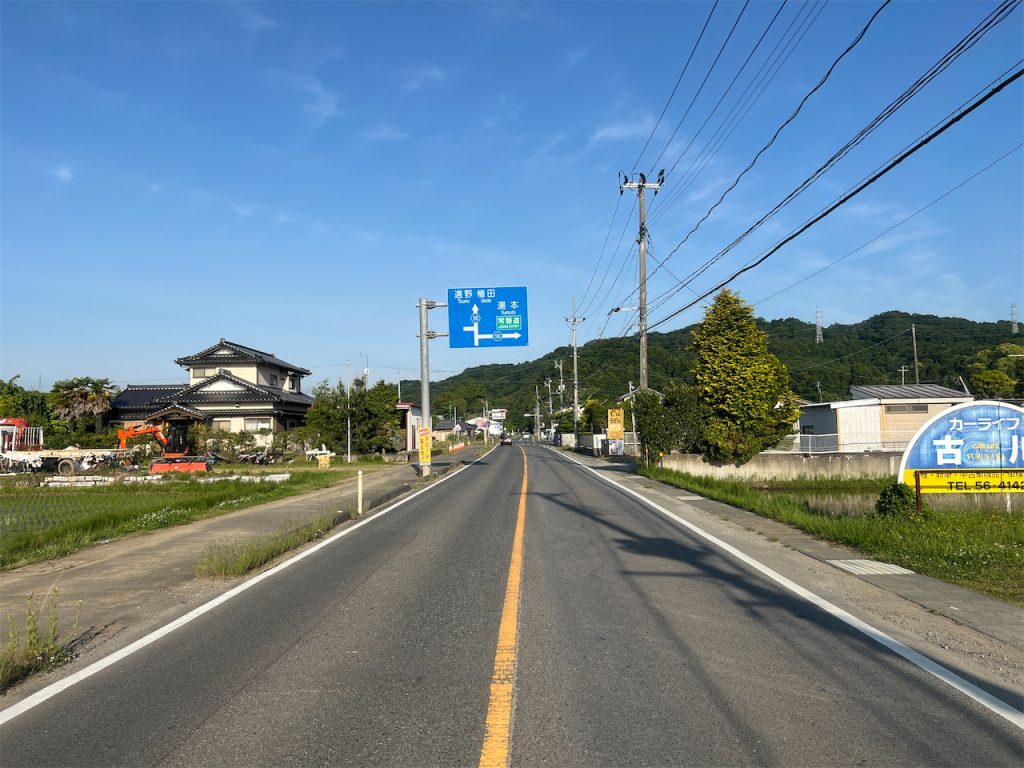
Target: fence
[852,442]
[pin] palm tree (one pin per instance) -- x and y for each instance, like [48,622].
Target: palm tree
[71,399]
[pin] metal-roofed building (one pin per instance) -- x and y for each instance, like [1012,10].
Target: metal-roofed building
[880,417]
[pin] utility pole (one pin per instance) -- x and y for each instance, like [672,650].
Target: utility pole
[425,336]
[561,384]
[536,414]
[640,186]
[550,406]
[818,385]
[903,374]
[917,367]
[575,370]
[348,411]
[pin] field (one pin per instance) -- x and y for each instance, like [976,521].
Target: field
[44,523]
[976,546]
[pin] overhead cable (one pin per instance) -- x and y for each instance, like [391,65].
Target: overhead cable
[994,18]
[931,136]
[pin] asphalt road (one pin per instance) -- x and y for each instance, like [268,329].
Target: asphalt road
[638,644]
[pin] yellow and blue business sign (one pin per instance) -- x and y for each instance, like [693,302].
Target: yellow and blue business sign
[971,448]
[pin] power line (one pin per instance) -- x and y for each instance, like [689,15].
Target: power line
[997,16]
[852,354]
[675,87]
[782,127]
[703,83]
[899,223]
[853,193]
[758,84]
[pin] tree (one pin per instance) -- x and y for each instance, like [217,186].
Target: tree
[385,421]
[743,389]
[326,418]
[992,384]
[659,432]
[74,399]
[682,401]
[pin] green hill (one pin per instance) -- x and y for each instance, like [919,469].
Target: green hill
[869,352]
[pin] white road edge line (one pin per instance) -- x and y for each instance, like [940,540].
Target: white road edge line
[987,700]
[50,691]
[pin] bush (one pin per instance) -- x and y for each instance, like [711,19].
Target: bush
[898,500]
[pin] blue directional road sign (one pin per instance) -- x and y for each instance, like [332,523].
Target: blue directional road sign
[487,317]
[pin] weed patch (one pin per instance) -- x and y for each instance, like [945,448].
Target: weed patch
[982,549]
[36,651]
[224,560]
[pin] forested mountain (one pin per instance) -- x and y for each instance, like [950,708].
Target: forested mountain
[869,352]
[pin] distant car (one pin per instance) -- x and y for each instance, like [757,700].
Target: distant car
[506,439]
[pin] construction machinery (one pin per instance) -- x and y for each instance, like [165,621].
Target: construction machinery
[22,449]
[175,449]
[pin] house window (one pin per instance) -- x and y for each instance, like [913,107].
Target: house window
[909,408]
[202,373]
[255,425]
[807,430]
[222,425]
[272,380]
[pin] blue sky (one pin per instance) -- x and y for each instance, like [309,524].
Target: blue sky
[294,176]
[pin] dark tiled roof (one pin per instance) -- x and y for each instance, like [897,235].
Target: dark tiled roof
[134,396]
[249,391]
[177,407]
[445,425]
[907,392]
[241,353]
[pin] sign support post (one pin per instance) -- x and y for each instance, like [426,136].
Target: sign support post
[425,336]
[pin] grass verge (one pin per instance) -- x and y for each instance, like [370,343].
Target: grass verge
[982,549]
[35,652]
[45,523]
[224,560]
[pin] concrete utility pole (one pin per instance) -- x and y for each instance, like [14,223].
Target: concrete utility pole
[640,186]
[903,374]
[425,336]
[917,367]
[551,407]
[561,384]
[575,370]
[536,414]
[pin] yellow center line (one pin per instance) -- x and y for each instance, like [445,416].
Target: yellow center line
[498,727]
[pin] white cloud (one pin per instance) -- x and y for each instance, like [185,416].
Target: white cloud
[321,103]
[63,174]
[284,218]
[251,18]
[384,132]
[627,129]
[154,188]
[419,78]
[241,210]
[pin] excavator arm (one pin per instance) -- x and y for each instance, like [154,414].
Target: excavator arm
[124,435]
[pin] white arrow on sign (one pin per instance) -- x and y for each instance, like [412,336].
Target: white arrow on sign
[475,328]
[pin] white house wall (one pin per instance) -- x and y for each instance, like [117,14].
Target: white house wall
[859,426]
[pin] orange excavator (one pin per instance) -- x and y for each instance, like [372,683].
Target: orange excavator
[175,448]
[124,435]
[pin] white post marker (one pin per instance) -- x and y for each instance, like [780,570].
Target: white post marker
[359,493]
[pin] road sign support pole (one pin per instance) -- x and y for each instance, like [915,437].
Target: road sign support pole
[425,336]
